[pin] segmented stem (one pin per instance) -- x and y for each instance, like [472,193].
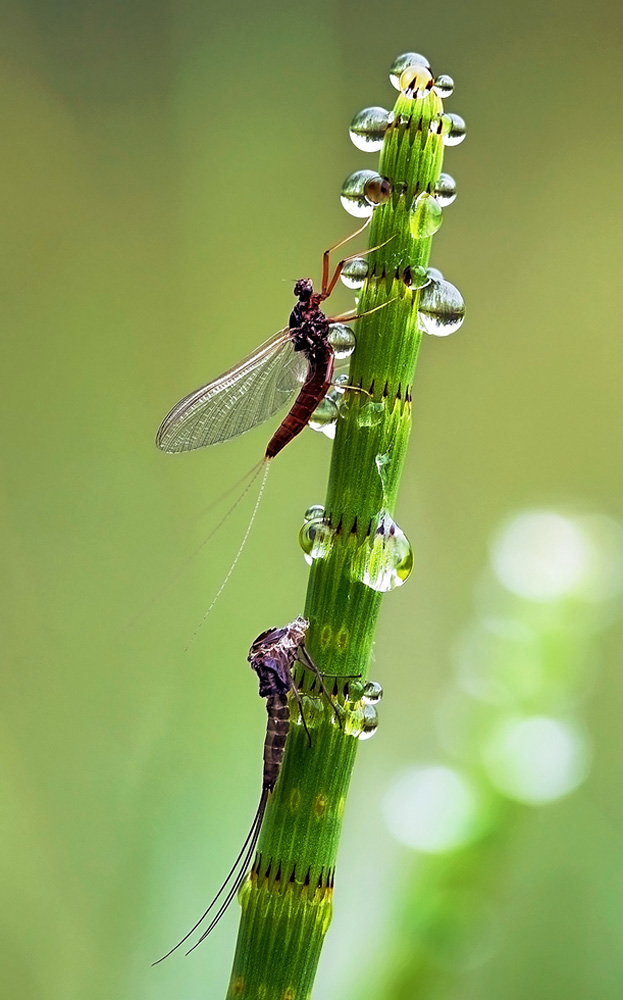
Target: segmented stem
[287,900]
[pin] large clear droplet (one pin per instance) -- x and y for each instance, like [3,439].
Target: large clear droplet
[434,273]
[362,191]
[450,127]
[369,722]
[372,692]
[355,272]
[425,216]
[444,85]
[368,127]
[388,559]
[416,81]
[401,63]
[315,538]
[445,190]
[324,418]
[442,309]
[342,340]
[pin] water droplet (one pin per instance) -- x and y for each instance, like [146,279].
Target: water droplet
[371,414]
[355,690]
[372,692]
[434,273]
[369,722]
[416,81]
[314,512]
[387,556]
[441,310]
[368,127]
[339,387]
[315,538]
[342,340]
[445,190]
[444,85]
[362,191]
[324,418]
[416,277]
[425,216]
[450,127]
[355,272]
[401,63]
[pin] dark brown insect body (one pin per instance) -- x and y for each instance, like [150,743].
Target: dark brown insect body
[309,330]
[272,656]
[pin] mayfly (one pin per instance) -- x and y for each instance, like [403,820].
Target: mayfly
[299,357]
[272,656]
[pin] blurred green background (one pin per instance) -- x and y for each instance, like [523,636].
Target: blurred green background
[169,170]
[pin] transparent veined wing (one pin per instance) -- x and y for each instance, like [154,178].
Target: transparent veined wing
[239,399]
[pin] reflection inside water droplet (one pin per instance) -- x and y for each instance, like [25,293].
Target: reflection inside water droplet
[444,85]
[385,559]
[445,190]
[425,216]
[369,722]
[416,277]
[415,81]
[314,512]
[368,127]
[355,272]
[372,692]
[324,417]
[401,63]
[342,340]
[441,309]
[315,536]
[450,127]
[362,191]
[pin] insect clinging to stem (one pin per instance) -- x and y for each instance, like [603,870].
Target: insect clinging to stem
[272,655]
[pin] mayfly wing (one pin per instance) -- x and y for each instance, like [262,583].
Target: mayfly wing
[239,399]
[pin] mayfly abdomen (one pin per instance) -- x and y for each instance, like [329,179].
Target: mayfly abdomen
[277,728]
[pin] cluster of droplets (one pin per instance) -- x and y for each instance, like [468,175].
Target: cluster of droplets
[361,721]
[326,414]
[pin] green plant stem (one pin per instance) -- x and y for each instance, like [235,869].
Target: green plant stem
[287,900]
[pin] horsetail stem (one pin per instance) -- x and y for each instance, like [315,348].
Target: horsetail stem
[356,549]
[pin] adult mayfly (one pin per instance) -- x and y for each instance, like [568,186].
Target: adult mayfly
[272,656]
[299,357]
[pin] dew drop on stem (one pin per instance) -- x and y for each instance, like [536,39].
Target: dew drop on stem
[441,308]
[372,693]
[315,537]
[425,216]
[387,556]
[362,191]
[324,418]
[368,127]
[355,272]
[445,190]
[416,82]
[450,127]
[402,62]
[342,340]
[444,85]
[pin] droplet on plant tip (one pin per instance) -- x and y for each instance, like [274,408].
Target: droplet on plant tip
[388,559]
[315,538]
[372,692]
[314,512]
[401,63]
[369,722]
[425,216]
[450,127]
[416,277]
[445,190]
[444,85]
[368,127]
[416,81]
[441,309]
[342,340]
[362,191]
[355,272]
[324,418]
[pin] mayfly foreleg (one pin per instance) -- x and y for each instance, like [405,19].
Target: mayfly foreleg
[305,659]
[326,257]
